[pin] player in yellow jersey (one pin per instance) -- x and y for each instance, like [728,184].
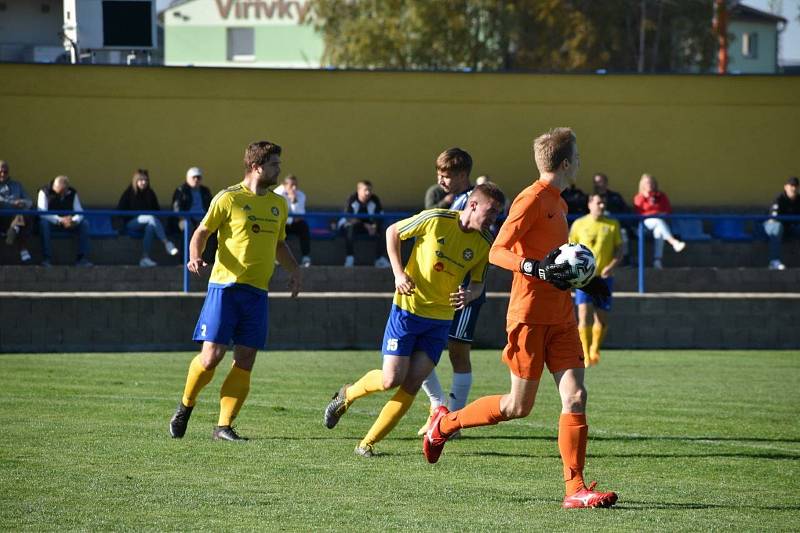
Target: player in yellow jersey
[250,222]
[602,235]
[448,245]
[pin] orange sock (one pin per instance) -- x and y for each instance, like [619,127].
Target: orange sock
[484,411]
[572,435]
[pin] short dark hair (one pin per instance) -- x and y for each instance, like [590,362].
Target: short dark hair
[490,190]
[366,183]
[454,159]
[258,153]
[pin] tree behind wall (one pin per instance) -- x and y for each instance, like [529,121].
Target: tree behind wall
[503,35]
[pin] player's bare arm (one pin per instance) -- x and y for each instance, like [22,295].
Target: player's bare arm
[402,281]
[286,259]
[196,247]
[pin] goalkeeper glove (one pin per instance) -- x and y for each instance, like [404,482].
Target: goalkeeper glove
[598,290]
[547,270]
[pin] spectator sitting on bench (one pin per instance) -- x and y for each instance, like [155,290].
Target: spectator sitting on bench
[576,200]
[615,205]
[648,202]
[295,225]
[17,227]
[363,202]
[786,203]
[436,197]
[59,196]
[140,197]
[191,195]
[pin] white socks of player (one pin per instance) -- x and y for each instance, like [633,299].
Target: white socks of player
[433,388]
[459,392]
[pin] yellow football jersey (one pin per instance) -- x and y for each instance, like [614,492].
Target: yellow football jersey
[442,255]
[248,228]
[602,236]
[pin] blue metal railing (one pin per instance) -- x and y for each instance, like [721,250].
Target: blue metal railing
[392,216]
[641,231]
[185,215]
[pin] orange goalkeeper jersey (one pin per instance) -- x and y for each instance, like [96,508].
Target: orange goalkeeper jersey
[536,224]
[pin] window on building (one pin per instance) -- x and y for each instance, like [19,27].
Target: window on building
[241,44]
[750,45]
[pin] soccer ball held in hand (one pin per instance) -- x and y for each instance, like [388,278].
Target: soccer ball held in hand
[581,261]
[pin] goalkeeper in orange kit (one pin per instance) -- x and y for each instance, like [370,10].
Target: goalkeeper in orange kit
[540,321]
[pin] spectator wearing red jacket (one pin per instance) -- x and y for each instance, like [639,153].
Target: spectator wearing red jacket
[652,202]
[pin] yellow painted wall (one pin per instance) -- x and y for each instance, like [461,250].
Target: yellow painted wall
[709,140]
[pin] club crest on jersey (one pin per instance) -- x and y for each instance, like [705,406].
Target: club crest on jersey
[468,254]
[256,228]
[275,211]
[247,207]
[439,266]
[440,240]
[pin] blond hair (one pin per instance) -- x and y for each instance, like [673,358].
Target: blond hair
[552,148]
[644,178]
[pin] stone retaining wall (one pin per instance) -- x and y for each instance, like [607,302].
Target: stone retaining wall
[370,279]
[69,322]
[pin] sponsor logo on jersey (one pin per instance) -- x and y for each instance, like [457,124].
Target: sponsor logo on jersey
[441,255]
[247,207]
[440,240]
[253,218]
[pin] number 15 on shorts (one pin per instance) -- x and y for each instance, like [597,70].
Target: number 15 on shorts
[391,345]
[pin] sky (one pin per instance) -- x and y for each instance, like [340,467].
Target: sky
[789,40]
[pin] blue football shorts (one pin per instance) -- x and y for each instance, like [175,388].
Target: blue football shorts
[233,313]
[583,298]
[407,333]
[464,321]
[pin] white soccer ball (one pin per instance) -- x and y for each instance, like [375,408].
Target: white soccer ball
[580,259]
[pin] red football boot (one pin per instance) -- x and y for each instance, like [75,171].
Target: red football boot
[433,441]
[586,498]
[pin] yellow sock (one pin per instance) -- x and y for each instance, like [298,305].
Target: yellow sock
[232,395]
[370,382]
[197,378]
[390,415]
[585,334]
[598,334]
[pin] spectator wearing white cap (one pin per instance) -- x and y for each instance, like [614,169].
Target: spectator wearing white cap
[191,196]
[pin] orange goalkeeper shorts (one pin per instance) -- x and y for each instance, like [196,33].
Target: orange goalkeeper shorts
[531,346]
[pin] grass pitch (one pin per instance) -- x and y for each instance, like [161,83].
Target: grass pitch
[689,440]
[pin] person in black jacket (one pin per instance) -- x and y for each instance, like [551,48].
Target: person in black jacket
[576,199]
[140,197]
[59,196]
[786,203]
[193,196]
[615,205]
[363,202]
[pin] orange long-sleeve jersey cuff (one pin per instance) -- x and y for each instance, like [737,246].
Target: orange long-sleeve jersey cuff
[504,258]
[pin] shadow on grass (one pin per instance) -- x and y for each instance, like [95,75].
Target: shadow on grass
[633,505]
[631,438]
[774,456]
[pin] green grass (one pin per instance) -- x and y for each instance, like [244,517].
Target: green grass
[689,440]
